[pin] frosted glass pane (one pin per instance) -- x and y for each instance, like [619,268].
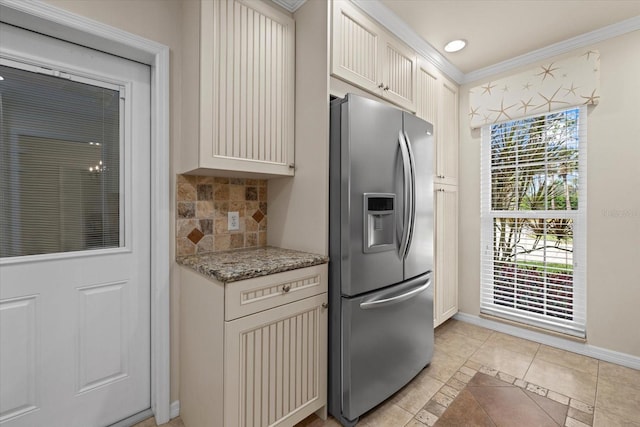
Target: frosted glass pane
[59,165]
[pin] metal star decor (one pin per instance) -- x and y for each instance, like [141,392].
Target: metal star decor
[474,112]
[547,71]
[502,111]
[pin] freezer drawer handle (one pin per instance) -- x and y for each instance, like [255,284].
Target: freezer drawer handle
[394,300]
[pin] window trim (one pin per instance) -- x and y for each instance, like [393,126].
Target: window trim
[577,326]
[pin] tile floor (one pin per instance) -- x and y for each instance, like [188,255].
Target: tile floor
[479,377]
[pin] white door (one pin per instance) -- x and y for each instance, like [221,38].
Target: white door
[74,234]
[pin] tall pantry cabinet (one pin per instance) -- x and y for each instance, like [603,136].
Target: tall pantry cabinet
[238,90]
[438,104]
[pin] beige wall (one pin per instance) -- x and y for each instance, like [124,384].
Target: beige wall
[157,20]
[298,208]
[613,192]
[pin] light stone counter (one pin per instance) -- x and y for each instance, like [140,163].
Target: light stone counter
[241,264]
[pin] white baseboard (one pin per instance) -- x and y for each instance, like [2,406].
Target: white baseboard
[599,353]
[174,409]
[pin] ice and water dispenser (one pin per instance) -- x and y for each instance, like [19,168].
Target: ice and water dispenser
[379,222]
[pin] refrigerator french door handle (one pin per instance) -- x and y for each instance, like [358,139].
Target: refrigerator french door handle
[412,191]
[383,302]
[408,200]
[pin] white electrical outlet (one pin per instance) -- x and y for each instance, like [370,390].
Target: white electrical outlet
[234,221]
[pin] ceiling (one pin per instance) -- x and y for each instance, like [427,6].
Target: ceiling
[500,30]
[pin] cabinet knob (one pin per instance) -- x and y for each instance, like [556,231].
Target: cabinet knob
[386,88]
[292,166]
[381,86]
[325,305]
[286,288]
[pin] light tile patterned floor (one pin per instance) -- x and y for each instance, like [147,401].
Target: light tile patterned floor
[597,393]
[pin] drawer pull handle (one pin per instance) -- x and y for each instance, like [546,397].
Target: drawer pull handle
[325,305]
[286,288]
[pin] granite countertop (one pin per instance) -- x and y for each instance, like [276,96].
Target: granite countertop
[241,264]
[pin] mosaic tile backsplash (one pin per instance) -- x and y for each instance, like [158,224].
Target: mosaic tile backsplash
[203,204]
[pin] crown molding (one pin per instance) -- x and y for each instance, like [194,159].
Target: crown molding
[583,40]
[400,29]
[290,5]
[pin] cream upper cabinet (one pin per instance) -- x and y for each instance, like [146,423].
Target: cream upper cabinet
[437,103]
[447,142]
[429,81]
[446,252]
[366,55]
[246,90]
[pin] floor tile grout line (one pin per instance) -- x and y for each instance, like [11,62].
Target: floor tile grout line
[482,408]
[531,363]
[595,398]
[496,375]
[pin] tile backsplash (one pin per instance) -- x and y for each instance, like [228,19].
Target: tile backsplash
[202,206]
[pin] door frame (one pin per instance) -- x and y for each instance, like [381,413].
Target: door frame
[52,21]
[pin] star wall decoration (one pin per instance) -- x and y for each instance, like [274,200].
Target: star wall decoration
[474,112]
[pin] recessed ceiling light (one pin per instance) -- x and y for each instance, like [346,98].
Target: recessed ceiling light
[455,45]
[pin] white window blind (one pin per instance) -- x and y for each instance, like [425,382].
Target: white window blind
[60,168]
[533,215]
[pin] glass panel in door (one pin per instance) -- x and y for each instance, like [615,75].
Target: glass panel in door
[59,164]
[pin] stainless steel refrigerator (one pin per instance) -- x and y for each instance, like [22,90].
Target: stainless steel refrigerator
[381,253]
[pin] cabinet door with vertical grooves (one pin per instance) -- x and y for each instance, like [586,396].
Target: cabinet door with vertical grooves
[247,81]
[427,95]
[355,45]
[275,365]
[446,253]
[399,74]
[447,141]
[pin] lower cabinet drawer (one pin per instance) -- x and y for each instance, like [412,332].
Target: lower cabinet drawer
[251,296]
[275,364]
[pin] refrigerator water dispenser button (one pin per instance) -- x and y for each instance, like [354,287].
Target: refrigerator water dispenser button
[379,222]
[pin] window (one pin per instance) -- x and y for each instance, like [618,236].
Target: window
[59,162]
[533,212]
